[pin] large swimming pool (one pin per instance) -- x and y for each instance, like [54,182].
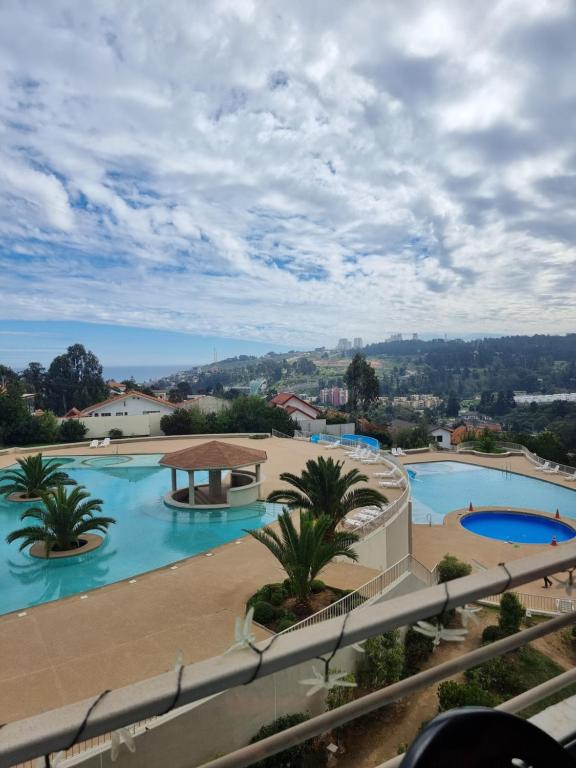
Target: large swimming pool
[147,534]
[442,486]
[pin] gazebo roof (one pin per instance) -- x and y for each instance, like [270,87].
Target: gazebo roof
[213,455]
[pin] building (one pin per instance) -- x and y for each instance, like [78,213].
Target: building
[357,343]
[295,406]
[442,436]
[395,337]
[414,337]
[336,396]
[343,345]
[115,387]
[521,398]
[131,403]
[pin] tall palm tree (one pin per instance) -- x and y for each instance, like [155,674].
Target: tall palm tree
[62,520]
[304,553]
[322,489]
[34,477]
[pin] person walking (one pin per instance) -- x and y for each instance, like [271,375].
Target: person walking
[547,582]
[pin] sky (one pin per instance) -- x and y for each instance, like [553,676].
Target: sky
[285,174]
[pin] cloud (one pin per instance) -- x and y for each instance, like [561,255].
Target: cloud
[289,172]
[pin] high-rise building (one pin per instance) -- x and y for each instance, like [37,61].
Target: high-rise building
[395,337]
[343,345]
[358,343]
[333,396]
[414,337]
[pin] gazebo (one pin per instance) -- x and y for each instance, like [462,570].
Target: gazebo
[233,489]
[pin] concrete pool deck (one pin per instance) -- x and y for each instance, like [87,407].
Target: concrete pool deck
[74,648]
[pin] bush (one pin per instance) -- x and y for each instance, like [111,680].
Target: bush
[499,676]
[452,695]
[511,614]
[290,758]
[417,649]
[277,597]
[450,568]
[285,623]
[264,612]
[337,697]
[317,586]
[382,661]
[491,634]
[71,431]
[115,434]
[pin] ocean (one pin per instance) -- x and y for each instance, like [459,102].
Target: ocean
[142,373]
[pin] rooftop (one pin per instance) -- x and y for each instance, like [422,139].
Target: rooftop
[213,455]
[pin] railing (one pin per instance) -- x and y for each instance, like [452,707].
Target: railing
[360,596]
[277,433]
[58,729]
[564,469]
[541,604]
[387,513]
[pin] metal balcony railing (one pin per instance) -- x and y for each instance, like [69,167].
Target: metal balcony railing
[59,729]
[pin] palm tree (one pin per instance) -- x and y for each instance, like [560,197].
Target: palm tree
[62,520]
[322,489]
[34,477]
[303,554]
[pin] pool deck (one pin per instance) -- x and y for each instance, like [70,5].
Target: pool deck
[431,543]
[74,648]
[67,650]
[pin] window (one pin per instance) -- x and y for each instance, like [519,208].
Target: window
[119,413]
[105,414]
[150,412]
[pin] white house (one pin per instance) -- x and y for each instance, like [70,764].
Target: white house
[130,403]
[297,408]
[442,436]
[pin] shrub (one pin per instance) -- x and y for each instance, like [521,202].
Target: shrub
[115,434]
[499,676]
[264,612]
[337,697]
[290,758]
[382,661]
[277,597]
[511,614]
[71,431]
[491,634]
[417,649]
[450,568]
[287,586]
[285,623]
[452,695]
[317,586]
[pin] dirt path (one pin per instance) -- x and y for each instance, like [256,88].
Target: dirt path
[376,738]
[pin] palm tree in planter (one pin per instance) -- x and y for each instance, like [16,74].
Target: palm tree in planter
[304,553]
[322,489]
[62,520]
[34,477]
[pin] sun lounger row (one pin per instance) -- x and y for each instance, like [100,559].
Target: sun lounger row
[363,515]
[554,469]
[397,452]
[392,483]
[97,444]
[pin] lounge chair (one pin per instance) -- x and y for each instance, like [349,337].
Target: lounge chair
[391,473]
[105,443]
[400,452]
[93,444]
[333,445]
[391,483]
[544,467]
[553,470]
[571,477]
[394,451]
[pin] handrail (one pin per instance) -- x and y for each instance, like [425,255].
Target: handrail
[56,730]
[277,433]
[533,457]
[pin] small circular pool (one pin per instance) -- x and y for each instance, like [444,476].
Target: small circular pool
[106,461]
[519,527]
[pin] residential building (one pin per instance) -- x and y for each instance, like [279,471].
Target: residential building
[115,387]
[336,396]
[521,398]
[357,343]
[295,406]
[343,345]
[442,436]
[131,403]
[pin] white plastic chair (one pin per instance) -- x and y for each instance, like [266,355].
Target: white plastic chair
[544,467]
[93,444]
[105,443]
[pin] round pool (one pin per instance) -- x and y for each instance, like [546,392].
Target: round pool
[519,527]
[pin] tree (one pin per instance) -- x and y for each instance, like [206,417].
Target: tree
[304,553]
[452,405]
[184,421]
[35,476]
[34,379]
[451,568]
[511,614]
[62,520]
[382,661]
[362,383]
[72,431]
[74,379]
[323,490]
[16,423]
[305,366]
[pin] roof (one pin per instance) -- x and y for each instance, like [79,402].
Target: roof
[129,393]
[213,455]
[439,426]
[73,413]
[283,397]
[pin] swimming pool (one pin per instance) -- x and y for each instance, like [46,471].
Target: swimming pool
[442,486]
[132,492]
[517,527]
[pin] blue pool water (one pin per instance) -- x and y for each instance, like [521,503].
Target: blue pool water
[512,526]
[443,486]
[132,492]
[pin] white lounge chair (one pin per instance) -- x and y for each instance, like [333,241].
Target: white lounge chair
[394,451]
[93,444]
[400,452]
[544,467]
[391,473]
[333,445]
[571,477]
[553,470]
[391,483]
[105,443]
[352,522]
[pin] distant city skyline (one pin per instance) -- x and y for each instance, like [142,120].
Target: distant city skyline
[288,174]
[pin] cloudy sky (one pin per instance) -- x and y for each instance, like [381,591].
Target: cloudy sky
[289,172]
